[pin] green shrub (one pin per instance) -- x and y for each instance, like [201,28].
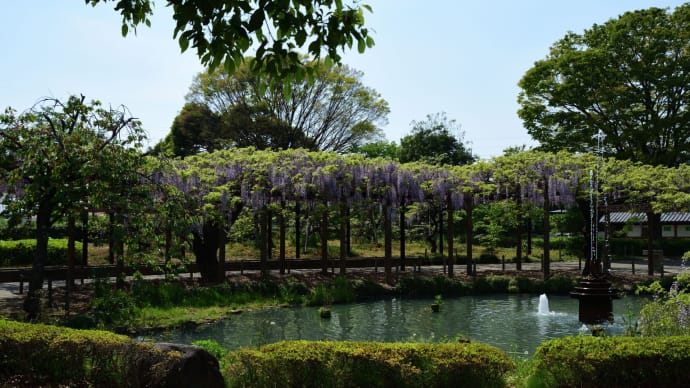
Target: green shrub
[109,305]
[521,284]
[488,258]
[418,286]
[54,356]
[668,313]
[22,252]
[558,285]
[292,292]
[319,296]
[571,245]
[674,247]
[339,290]
[212,347]
[586,361]
[492,283]
[365,288]
[368,364]
[525,284]
[513,286]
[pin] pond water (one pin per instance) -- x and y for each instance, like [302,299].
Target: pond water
[514,323]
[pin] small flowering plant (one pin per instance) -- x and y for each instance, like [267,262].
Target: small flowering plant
[669,311]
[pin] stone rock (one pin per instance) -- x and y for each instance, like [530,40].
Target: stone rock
[195,368]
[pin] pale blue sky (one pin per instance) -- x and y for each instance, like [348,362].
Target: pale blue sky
[461,57]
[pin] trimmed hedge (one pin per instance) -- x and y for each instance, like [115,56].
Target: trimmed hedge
[21,252]
[368,364]
[33,354]
[586,361]
[673,247]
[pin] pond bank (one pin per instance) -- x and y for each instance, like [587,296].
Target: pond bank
[193,304]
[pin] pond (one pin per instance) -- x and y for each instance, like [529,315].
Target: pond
[510,322]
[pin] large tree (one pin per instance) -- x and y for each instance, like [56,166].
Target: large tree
[334,112]
[58,156]
[628,77]
[195,129]
[222,32]
[435,140]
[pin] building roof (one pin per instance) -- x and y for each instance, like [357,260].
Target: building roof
[641,218]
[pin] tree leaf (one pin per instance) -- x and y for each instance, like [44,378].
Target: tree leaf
[300,37]
[256,20]
[184,43]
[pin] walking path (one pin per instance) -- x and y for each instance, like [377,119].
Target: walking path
[10,291]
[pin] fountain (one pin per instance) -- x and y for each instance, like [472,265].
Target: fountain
[593,291]
[543,308]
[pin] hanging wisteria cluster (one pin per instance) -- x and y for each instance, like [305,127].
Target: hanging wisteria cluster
[260,178]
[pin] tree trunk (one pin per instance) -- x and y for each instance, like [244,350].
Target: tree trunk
[431,231]
[282,228]
[71,256]
[117,247]
[298,215]
[440,231]
[222,240]
[518,232]
[343,235]
[653,233]
[547,232]
[387,244]
[269,234]
[607,248]
[403,209]
[205,247]
[32,303]
[650,244]
[348,233]
[84,238]
[529,235]
[260,221]
[468,225]
[111,238]
[168,246]
[451,232]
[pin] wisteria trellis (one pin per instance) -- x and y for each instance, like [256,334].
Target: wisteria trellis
[261,179]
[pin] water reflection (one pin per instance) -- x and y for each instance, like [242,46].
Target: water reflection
[510,322]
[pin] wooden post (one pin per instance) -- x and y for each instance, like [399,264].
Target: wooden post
[222,241]
[348,233]
[298,215]
[468,227]
[518,232]
[343,234]
[282,231]
[440,234]
[387,243]
[269,234]
[50,291]
[71,253]
[547,231]
[84,241]
[450,229]
[650,244]
[324,237]
[403,209]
